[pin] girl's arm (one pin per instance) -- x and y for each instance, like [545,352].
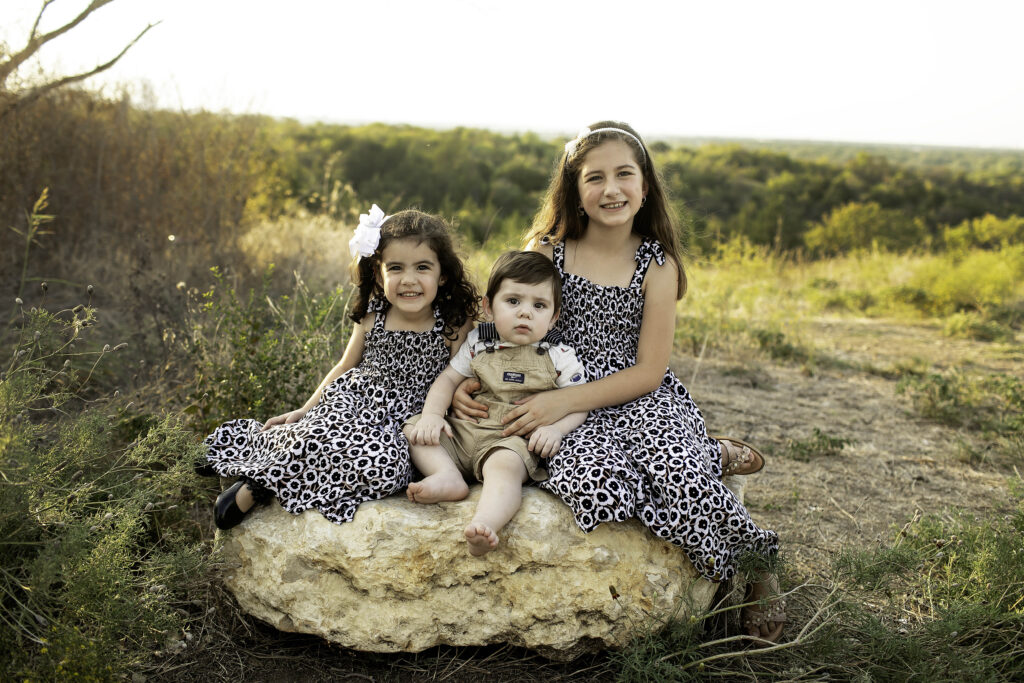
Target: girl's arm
[353,354]
[427,431]
[657,330]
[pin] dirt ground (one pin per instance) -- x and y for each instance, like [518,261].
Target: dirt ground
[898,464]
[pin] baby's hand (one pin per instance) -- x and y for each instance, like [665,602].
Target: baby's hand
[427,432]
[544,441]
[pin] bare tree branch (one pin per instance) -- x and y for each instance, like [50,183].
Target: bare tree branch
[35,25]
[37,41]
[39,91]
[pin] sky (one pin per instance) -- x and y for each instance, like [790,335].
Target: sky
[932,72]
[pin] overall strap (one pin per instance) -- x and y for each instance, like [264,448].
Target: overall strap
[488,335]
[553,337]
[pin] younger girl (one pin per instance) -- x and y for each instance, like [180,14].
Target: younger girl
[345,445]
[644,451]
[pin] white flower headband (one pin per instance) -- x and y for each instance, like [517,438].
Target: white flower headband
[570,147]
[367,235]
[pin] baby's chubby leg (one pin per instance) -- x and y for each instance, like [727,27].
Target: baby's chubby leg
[442,480]
[504,474]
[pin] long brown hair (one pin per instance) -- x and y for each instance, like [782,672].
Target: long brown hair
[558,219]
[456,299]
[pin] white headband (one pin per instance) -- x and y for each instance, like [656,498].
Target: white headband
[570,147]
[367,234]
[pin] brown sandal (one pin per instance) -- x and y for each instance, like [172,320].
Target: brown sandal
[756,615]
[739,457]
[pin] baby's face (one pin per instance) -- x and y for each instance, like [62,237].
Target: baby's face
[522,313]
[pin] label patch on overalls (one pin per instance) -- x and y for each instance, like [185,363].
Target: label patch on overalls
[517,377]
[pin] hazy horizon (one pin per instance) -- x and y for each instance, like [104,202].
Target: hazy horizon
[935,74]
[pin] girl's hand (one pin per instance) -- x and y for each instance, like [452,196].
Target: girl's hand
[427,430]
[534,411]
[286,419]
[545,441]
[463,405]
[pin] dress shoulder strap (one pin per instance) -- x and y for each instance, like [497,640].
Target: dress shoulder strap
[557,254]
[438,321]
[379,308]
[649,249]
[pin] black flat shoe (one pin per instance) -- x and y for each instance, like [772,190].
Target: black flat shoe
[226,513]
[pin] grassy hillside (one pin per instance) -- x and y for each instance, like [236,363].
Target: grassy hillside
[882,378]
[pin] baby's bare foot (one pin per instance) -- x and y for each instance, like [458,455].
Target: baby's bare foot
[437,488]
[481,538]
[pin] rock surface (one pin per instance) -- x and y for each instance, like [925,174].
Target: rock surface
[398,578]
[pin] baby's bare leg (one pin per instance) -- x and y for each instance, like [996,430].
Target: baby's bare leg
[504,474]
[442,480]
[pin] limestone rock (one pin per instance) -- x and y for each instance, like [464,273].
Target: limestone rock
[398,578]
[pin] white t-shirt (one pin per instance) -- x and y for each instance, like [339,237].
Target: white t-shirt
[569,369]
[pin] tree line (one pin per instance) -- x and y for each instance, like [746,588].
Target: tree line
[124,179]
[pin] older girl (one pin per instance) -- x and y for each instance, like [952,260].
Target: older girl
[644,451]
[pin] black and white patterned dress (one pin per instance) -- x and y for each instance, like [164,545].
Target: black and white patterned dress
[650,458]
[349,448]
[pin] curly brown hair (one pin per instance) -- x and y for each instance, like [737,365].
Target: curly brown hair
[558,219]
[457,298]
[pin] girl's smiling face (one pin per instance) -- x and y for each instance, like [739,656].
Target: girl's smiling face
[611,185]
[410,274]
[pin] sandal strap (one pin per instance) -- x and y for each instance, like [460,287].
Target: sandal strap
[776,612]
[733,461]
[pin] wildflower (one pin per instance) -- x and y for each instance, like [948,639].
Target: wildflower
[119,346]
[90,289]
[19,301]
[37,335]
[181,285]
[67,363]
[44,286]
[149,506]
[106,348]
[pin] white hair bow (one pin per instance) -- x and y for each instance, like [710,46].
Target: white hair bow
[367,235]
[570,147]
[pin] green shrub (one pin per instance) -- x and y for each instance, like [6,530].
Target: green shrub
[975,326]
[991,402]
[818,445]
[863,226]
[258,357]
[987,232]
[97,551]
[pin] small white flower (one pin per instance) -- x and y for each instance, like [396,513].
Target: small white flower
[367,235]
